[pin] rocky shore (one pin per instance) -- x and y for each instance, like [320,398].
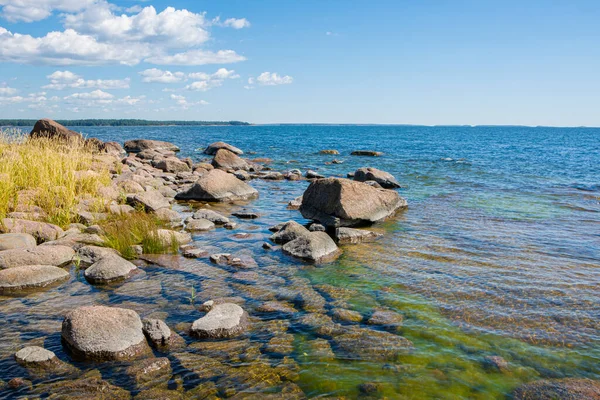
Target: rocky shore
[215,346]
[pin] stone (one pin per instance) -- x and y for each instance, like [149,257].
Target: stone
[152,370]
[130,186]
[230,225]
[272,176]
[168,215]
[336,202]
[385,318]
[332,152]
[47,128]
[495,364]
[344,315]
[89,386]
[42,231]
[151,200]
[42,255]
[167,236]
[245,215]
[222,321]
[369,153]
[29,277]
[226,160]
[385,179]
[295,203]
[320,349]
[310,174]
[276,307]
[195,253]
[559,389]
[172,164]
[217,185]
[104,333]
[109,269]
[316,228]
[267,246]
[120,209]
[345,235]
[289,231]
[157,332]
[367,344]
[242,175]
[313,247]
[10,241]
[211,215]
[136,146]
[37,358]
[199,225]
[214,147]
[280,345]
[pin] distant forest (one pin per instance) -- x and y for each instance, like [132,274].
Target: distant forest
[118,122]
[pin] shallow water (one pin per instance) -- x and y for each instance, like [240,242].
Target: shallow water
[497,254]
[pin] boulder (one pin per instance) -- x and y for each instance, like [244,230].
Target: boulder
[214,147]
[172,164]
[353,236]
[313,247]
[339,202]
[138,145]
[37,358]
[104,333]
[109,269]
[29,277]
[158,333]
[42,231]
[289,231]
[211,215]
[226,160]
[295,203]
[166,236]
[222,321]
[47,128]
[217,185]
[41,255]
[199,225]
[310,174]
[333,152]
[385,179]
[130,186]
[168,215]
[92,254]
[245,215]
[559,389]
[10,241]
[151,200]
[369,153]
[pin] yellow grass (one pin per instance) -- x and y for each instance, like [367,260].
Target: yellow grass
[43,173]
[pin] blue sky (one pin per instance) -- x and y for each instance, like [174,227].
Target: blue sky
[407,62]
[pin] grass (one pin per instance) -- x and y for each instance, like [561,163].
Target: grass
[44,173]
[123,231]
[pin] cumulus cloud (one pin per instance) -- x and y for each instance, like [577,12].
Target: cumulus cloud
[271,79]
[197,57]
[235,23]
[60,80]
[160,76]
[33,98]
[184,104]
[7,91]
[95,95]
[36,10]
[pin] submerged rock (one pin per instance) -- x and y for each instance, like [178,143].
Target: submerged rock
[217,185]
[353,236]
[109,269]
[367,344]
[385,179]
[313,247]
[288,231]
[559,389]
[89,386]
[222,321]
[41,255]
[341,202]
[495,363]
[30,276]
[40,361]
[104,333]
[214,147]
[151,370]
[10,241]
[386,318]
[332,152]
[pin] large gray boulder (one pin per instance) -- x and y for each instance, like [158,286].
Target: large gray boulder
[10,241]
[226,160]
[41,255]
[138,145]
[217,185]
[312,247]
[47,128]
[385,179]
[339,202]
[289,231]
[92,254]
[151,200]
[42,231]
[104,333]
[109,269]
[222,321]
[172,164]
[199,225]
[214,147]
[559,389]
[30,277]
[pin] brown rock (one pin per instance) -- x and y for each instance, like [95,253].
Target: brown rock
[217,185]
[47,128]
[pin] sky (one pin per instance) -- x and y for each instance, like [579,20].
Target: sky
[534,62]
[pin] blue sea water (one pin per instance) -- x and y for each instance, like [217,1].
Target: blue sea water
[498,252]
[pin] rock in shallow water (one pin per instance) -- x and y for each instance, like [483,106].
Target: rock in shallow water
[313,247]
[109,269]
[41,255]
[217,185]
[354,236]
[222,321]
[559,389]
[385,179]
[104,333]
[29,277]
[211,215]
[289,231]
[214,147]
[199,225]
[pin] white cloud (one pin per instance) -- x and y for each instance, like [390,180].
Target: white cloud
[60,80]
[237,23]
[36,10]
[7,91]
[34,98]
[206,81]
[160,76]
[203,86]
[95,95]
[271,79]
[197,57]
[184,103]
[134,9]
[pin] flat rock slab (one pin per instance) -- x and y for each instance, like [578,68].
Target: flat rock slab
[151,200]
[41,255]
[10,241]
[368,153]
[29,277]
[211,215]
[314,247]
[138,145]
[218,186]
[104,333]
[42,231]
[109,269]
[199,225]
[222,321]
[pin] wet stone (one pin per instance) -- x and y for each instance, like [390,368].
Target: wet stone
[222,321]
[367,344]
[89,386]
[278,307]
[320,349]
[385,318]
[150,370]
[109,269]
[200,366]
[28,277]
[256,377]
[345,315]
[288,369]
[41,361]
[211,215]
[320,324]
[195,252]
[280,345]
[245,215]
[199,225]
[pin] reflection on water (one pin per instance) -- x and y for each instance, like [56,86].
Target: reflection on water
[497,254]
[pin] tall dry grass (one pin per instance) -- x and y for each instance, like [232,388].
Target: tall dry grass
[44,173]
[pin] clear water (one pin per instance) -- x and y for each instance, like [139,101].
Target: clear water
[497,254]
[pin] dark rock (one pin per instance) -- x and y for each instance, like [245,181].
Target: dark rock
[267,246]
[214,147]
[385,179]
[289,231]
[217,185]
[136,146]
[341,202]
[332,152]
[245,215]
[316,228]
[47,128]
[369,153]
